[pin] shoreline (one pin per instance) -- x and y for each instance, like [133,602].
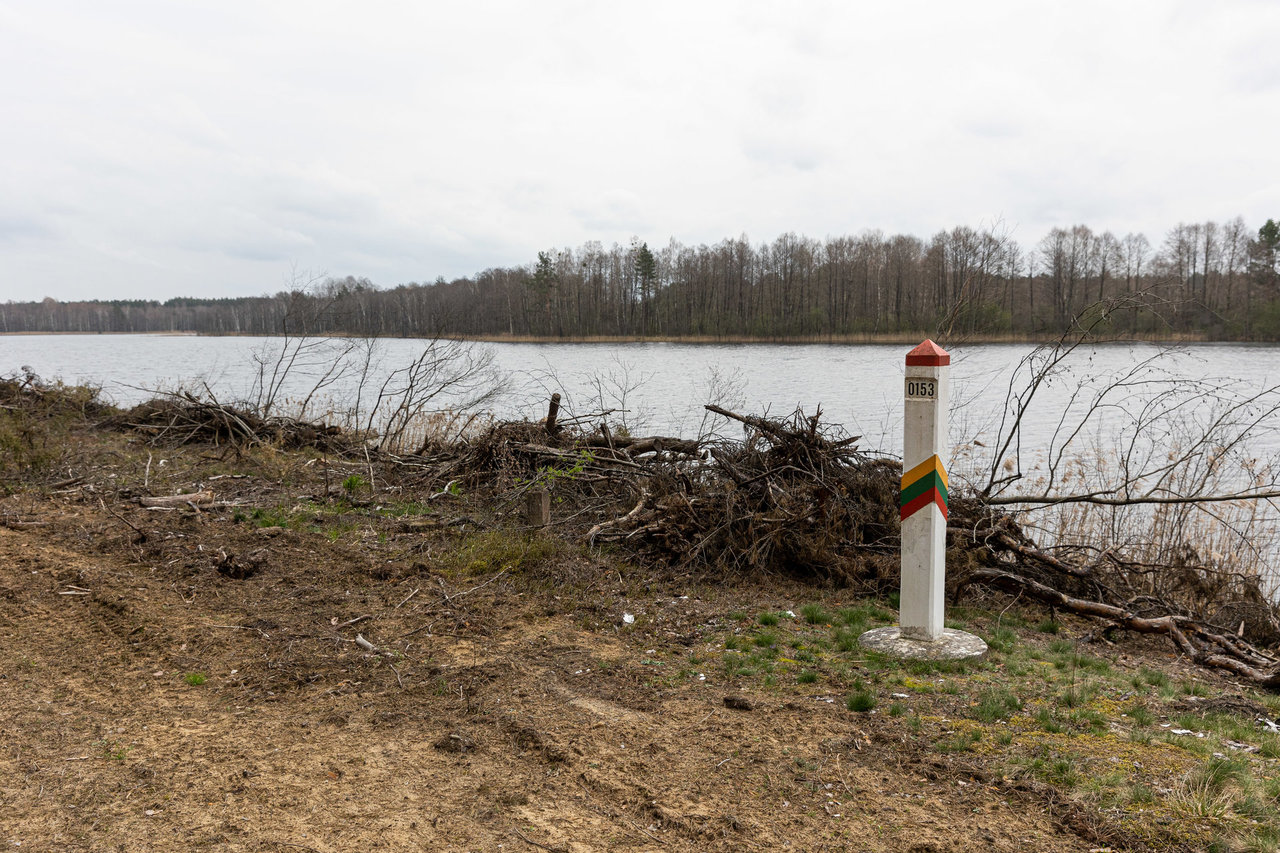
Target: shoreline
[870,338]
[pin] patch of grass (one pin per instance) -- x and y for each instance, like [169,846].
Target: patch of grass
[807,677]
[407,508]
[897,709]
[860,701]
[767,619]
[846,640]
[1265,839]
[1088,663]
[1002,640]
[1048,721]
[996,703]
[1139,715]
[815,614]
[961,742]
[1139,794]
[939,667]
[736,665]
[1060,770]
[269,518]
[766,639]
[1089,720]
[496,550]
[866,613]
[1216,773]
[1048,626]
[1195,802]
[1151,677]
[195,679]
[1077,696]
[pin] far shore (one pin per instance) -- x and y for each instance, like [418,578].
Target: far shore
[858,338]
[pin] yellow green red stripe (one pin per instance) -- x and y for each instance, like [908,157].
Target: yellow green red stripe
[932,464]
[924,484]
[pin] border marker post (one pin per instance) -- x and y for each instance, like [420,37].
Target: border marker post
[921,632]
[923,506]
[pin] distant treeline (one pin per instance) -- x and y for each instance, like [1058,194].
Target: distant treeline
[1218,280]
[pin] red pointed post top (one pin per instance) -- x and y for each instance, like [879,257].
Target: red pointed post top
[928,354]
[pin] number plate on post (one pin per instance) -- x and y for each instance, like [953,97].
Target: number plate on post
[922,389]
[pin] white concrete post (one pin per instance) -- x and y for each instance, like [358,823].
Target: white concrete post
[924,492]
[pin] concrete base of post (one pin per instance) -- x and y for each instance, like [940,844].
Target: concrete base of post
[952,645]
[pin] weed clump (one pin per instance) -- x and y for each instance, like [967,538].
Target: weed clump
[37,419]
[860,701]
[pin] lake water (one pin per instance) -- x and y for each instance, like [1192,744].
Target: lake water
[1209,406]
[661,387]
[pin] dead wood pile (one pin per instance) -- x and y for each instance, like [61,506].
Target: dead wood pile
[792,495]
[797,496]
[26,393]
[183,418]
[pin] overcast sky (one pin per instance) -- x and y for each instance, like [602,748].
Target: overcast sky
[156,149]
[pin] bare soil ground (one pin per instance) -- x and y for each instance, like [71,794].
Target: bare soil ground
[189,679]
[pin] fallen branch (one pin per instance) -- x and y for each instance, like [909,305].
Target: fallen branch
[1234,655]
[202,500]
[650,444]
[1099,499]
[450,599]
[22,525]
[142,537]
[605,525]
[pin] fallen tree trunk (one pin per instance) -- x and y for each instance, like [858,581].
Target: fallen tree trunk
[1193,638]
[650,444]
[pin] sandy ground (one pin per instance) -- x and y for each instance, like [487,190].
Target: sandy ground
[203,689]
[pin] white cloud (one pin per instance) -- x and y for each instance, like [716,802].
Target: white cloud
[156,148]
